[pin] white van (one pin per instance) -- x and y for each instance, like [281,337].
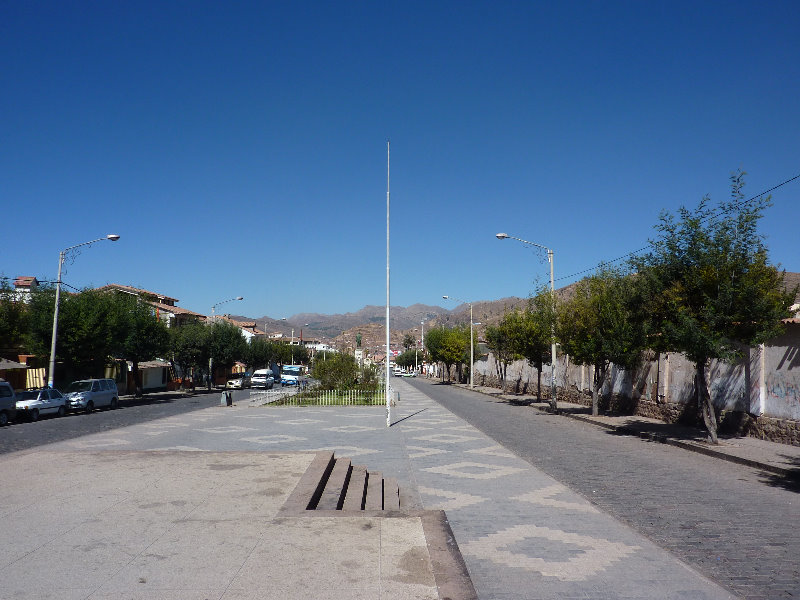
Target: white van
[262,378]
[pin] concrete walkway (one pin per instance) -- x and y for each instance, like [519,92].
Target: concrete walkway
[199,506]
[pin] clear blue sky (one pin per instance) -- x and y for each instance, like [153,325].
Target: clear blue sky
[239,148]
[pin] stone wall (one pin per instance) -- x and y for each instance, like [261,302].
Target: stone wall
[758,396]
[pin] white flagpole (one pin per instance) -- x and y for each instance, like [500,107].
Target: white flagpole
[388,351]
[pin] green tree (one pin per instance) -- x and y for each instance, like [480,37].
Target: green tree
[13,319]
[261,353]
[448,345]
[40,320]
[531,333]
[227,345]
[713,290]
[499,341]
[407,359]
[408,341]
[189,345]
[336,371]
[604,322]
[86,338]
[139,335]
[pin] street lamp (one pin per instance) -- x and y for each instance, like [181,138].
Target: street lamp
[210,358]
[471,344]
[553,401]
[113,237]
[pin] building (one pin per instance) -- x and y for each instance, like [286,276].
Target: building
[165,306]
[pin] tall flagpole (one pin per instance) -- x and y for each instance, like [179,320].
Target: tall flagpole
[388,350]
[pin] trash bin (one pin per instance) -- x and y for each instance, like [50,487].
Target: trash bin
[223,400]
[229,398]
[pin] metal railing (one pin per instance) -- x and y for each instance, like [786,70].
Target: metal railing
[334,398]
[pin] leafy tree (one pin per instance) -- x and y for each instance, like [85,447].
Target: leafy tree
[13,318]
[603,323]
[531,333]
[261,354]
[713,289]
[227,344]
[407,359]
[336,371]
[40,320]
[290,354]
[408,341]
[86,332]
[448,345]
[139,335]
[189,345]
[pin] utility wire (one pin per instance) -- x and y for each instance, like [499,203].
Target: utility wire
[710,216]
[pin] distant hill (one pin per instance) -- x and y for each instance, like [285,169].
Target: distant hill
[341,329]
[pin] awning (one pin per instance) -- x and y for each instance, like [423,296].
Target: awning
[7,365]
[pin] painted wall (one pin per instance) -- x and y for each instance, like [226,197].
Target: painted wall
[765,382]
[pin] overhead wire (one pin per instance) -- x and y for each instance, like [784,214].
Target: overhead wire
[649,245]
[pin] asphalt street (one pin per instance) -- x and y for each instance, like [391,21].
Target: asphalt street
[23,435]
[728,521]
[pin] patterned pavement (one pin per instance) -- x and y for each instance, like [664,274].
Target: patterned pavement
[522,534]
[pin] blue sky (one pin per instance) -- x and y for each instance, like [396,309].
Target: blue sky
[239,149]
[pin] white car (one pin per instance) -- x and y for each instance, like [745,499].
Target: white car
[239,381]
[33,403]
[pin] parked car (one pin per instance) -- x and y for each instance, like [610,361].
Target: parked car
[88,394]
[33,403]
[239,381]
[8,403]
[263,378]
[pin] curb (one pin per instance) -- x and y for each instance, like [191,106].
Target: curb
[686,445]
[677,442]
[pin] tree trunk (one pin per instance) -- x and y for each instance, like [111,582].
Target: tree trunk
[704,402]
[539,382]
[596,381]
[137,382]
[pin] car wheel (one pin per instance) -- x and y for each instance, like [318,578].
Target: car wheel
[34,414]
[114,403]
[61,411]
[3,419]
[89,406]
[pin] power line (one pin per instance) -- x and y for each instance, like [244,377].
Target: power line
[711,216]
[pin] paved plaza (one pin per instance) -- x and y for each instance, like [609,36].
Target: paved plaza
[521,533]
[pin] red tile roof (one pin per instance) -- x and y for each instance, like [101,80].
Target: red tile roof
[139,292]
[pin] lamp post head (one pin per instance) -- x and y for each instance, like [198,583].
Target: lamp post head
[113,237]
[239,298]
[446,297]
[501,236]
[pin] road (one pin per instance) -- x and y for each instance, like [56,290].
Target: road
[728,521]
[23,435]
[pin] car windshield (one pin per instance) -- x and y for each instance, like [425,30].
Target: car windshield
[80,386]
[30,395]
[290,370]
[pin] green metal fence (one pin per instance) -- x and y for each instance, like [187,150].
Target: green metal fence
[335,398]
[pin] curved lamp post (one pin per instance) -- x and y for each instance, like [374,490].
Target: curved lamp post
[553,401]
[471,345]
[210,358]
[113,237]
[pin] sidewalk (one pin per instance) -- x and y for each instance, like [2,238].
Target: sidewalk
[779,459]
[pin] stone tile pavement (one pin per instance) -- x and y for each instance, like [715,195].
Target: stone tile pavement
[521,533]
